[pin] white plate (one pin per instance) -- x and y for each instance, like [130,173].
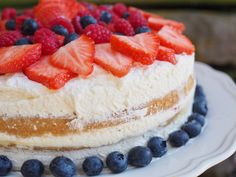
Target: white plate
[215,144]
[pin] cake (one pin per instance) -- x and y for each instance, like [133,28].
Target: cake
[82,80]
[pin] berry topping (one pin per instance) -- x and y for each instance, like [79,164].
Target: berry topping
[143,29]
[70,37]
[197,117]
[98,33]
[176,41]
[61,30]
[14,59]
[112,61]
[142,48]
[77,56]
[158,146]
[8,13]
[10,24]
[23,41]
[29,27]
[106,17]
[166,54]
[193,128]
[119,9]
[5,165]
[9,38]
[200,106]
[32,168]
[199,93]
[117,162]
[63,22]
[137,20]
[140,156]
[126,15]
[77,25]
[62,167]
[123,26]
[178,138]
[87,20]
[92,166]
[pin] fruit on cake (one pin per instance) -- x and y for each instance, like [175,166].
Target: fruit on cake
[80,80]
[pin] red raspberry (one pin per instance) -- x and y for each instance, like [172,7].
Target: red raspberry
[109,26]
[105,8]
[98,33]
[9,38]
[120,9]
[29,13]
[123,26]
[20,19]
[82,12]
[96,13]
[137,20]
[64,22]
[8,13]
[114,17]
[77,25]
[48,39]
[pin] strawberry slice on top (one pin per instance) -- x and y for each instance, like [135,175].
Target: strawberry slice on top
[16,58]
[166,54]
[142,48]
[77,56]
[176,41]
[111,60]
[47,74]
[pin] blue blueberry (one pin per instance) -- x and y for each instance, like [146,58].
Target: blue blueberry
[87,20]
[62,167]
[10,24]
[158,146]
[193,128]
[178,138]
[126,15]
[140,156]
[32,168]
[61,30]
[23,41]
[70,37]
[199,92]
[106,17]
[29,27]
[92,166]
[5,165]
[143,29]
[200,106]
[117,162]
[198,117]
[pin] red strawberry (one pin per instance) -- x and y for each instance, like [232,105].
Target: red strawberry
[142,48]
[166,54]
[47,74]
[158,23]
[176,41]
[111,60]
[15,58]
[76,56]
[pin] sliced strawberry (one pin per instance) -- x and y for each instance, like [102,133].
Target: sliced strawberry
[111,60]
[77,56]
[15,58]
[176,41]
[166,54]
[47,74]
[158,23]
[142,48]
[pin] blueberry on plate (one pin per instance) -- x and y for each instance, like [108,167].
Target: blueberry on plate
[193,128]
[199,92]
[178,138]
[140,156]
[92,166]
[143,29]
[10,24]
[29,27]
[61,30]
[87,20]
[62,167]
[158,146]
[198,117]
[23,41]
[5,165]
[106,17]
[200,106]
[32,168]
[116,162]
[70,37]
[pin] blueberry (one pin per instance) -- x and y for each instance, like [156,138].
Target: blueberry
[178,138]
[32,168]
[158,146]
[29,27]
[193,128]
[23,41]
[92,166]
[200,106]
[62,167]
[198,117]
[5,165]
[70,37]
[126,15]
[87,20]
[143,29]
[117,162]
[61,30]
[10,24]
[106,17]
[199,92]
[140,156]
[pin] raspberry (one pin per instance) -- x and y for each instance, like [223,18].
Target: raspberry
[64,22]
[98,33]
[83,12]
[109,26]
[96,13]
[48,39]
[8,13]
[8,38]
[137,20]
[120,9]
[123,26]
[29,13]
[77,25]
